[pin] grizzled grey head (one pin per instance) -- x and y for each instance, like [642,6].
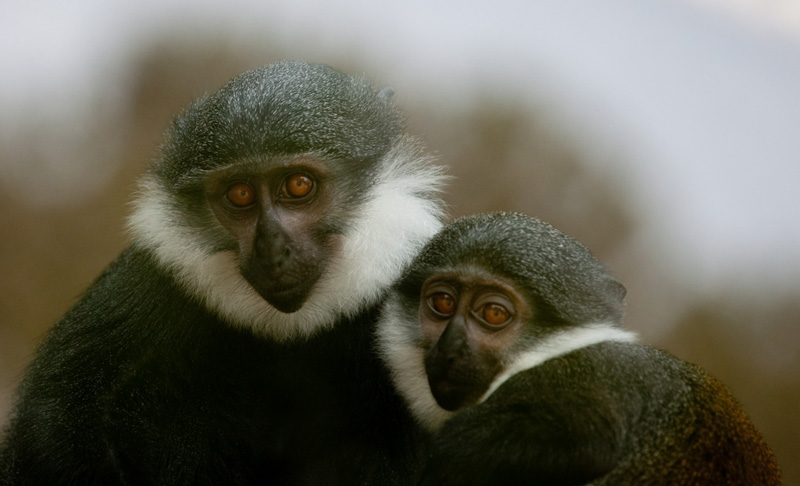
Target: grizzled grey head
[560,275]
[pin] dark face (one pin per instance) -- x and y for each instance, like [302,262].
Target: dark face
[276,215]
[470,319]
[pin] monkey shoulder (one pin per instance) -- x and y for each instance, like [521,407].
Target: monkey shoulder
[688,428]
[640,414]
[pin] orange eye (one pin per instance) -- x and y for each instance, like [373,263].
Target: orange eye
[495,314]
[298,185]
[241,195]
[443,303]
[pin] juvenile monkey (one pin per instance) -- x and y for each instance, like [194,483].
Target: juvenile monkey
[504,338]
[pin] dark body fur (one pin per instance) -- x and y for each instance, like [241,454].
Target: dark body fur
[608,414]
[125,392]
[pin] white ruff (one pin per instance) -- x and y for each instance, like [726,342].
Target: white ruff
[398,343]
[558,345]
[396,220]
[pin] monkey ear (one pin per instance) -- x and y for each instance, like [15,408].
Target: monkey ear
[621,290]
[613,308]
[386,94]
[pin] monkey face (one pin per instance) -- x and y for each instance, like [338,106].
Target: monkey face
[276,214]
[469,319]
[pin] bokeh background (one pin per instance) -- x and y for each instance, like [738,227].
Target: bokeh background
[665,135]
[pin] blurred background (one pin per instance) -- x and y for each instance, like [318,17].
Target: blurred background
[665,135]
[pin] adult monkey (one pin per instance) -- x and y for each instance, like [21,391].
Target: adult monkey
[504,338]
[232,341]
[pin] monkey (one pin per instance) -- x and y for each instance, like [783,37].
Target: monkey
[504,336]
[232,341]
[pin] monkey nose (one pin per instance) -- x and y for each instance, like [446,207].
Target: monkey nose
[453,339]
[273,251]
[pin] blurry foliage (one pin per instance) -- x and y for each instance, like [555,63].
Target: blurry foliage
[503,157]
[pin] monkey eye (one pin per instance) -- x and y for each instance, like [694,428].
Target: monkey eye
[495,314]
[442,303]
[298,186]
[241,195]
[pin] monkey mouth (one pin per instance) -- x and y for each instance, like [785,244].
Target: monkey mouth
[286,291]
[451,395]
[287,301]
[286,298]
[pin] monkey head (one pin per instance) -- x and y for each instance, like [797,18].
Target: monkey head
[288,199]
[482,293]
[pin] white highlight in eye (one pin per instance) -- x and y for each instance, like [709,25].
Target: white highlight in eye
[400,214]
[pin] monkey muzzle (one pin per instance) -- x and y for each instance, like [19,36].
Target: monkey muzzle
[285,290]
